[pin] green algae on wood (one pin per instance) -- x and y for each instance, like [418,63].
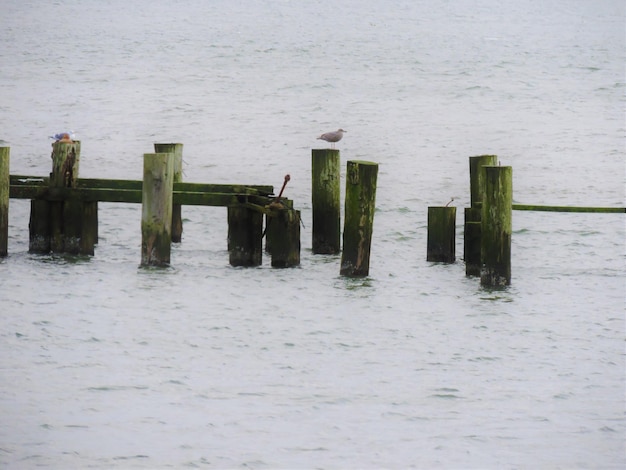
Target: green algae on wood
[477,176]
[326,204]
[156,209]
[360,205]
[496,226]
[283,234]
[440,246]
[176,150]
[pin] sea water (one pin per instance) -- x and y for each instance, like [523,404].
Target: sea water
[107,365]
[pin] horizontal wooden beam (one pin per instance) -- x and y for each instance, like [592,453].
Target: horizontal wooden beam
[130,191]
[115,184]
[530,207]
[134,196]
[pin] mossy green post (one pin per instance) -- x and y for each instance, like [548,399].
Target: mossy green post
[4,200]
[245,236]
[156,209]
[496,226]
[477,176]
[284,232]
[65,225]
[326,204]
[441,241]
[177,152]
[360,205]
[471,232]
[269,233]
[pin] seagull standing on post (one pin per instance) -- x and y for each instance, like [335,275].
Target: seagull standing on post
[332,137]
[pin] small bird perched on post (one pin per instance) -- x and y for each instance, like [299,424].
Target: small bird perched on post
[332,137]
[64,136]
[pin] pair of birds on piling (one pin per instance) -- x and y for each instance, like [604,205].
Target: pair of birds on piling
[332,137]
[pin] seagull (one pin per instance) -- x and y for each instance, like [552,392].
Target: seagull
[64,136]
[332,137]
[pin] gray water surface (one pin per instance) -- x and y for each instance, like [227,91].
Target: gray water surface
[106,365]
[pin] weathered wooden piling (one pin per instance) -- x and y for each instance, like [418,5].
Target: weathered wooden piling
[177,152]
[477,176]
[360,205]
[39,226]
[245,236]
[89,232]
[441,241]
[58,225]
[496,226]
[269,233]
[5,183]
[284,232]
[471,241]
[156,209]
[326,205]
[471,233]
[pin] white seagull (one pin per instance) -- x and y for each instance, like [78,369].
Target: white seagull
[332,137]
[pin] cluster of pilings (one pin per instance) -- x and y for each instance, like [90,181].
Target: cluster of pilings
[161,222]
[64,209]
[488,228]
[360,204]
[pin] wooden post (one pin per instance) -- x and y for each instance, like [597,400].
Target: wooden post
[89,232]
[72,226]
[39,226]
[359,217]
[245,236]
[177,151]
[5,186]
[285,203]
[65,216]
[496,226]
[441,234]
[284,232]
[156,209]
[471,241]
[326,201]
[471,231]
[477,176]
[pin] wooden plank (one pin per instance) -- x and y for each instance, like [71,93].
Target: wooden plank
[263,190]
[28,192]
[530,207]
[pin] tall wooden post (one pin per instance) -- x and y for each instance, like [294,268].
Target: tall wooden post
[156,209]
[65,217]
[477,176]
[284,232]
[471,236]
[441,234]
[245,236]
[177,151]
[360,205]
[326,201]
[5,186]
[496,223]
